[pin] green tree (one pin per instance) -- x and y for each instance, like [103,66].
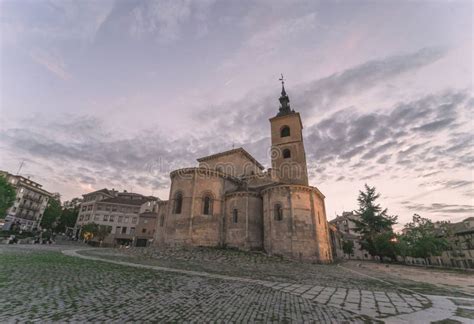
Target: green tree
[51,215]
[68,218]
[93,230]
[348,247]
[421,239]
[7,196]
[375,225]
[89,231]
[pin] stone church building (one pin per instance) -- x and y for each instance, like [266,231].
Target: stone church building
[230,200]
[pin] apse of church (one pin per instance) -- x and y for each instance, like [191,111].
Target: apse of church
[230,200]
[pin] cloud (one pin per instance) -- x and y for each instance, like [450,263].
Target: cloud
[347,134]
[439,208]
[52,62]
[166,18]
[321,95]
[436,125]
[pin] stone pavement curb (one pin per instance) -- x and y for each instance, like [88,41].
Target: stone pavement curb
[389,307]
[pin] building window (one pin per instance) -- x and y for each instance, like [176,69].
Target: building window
[124,230]
[132,230]
[107,207]
[134,220]
[99,207]
[126,219]
[120,219]
[207,205]
[111,219]
[162,220]
[143,230]
[278,213]
[235,216]
[96,217]
[106,218]
[178,203]
[286,153]
[117,230]
[285,131]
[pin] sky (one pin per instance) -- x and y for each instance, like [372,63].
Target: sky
[118,93]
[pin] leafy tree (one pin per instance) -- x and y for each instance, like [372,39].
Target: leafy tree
[348,247]
[7,196]
[51,215]
[421,239]
[375,225]
[89,231]
[93,230]
[68,218]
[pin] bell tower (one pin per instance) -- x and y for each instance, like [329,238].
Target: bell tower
[287,153]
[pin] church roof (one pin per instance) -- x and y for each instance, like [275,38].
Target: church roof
[233,151]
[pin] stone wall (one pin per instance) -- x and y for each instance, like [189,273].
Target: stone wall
[192,226]
[236,165]
[245,230]
[302,232]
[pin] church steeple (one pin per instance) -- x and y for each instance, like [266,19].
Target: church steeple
[285,108]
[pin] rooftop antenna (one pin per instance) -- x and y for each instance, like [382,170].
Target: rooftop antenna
[21,165]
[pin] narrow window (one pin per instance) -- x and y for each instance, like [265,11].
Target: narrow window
[162,220]
[278,212]
[235,216]
[286,153]
[178,203]
[285,131]
[207,204]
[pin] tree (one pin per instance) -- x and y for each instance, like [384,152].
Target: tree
[68,218]
[93,230]
[51,215]
[375,225]
[7,196]
[348,247]
[421,239]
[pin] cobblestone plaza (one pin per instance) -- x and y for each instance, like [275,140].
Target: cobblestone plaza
[80,284]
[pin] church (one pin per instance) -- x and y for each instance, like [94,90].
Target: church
[230,200]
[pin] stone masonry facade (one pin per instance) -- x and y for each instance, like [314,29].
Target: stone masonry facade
[230,200]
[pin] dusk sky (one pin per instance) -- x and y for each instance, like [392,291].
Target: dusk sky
[117,94]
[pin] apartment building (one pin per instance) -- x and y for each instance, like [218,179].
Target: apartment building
[118,210]
[31,201]
[343,228]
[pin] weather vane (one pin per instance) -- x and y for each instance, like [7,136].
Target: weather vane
[282,80]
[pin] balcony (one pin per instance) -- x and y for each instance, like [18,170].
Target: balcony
[29,207]
[33,198]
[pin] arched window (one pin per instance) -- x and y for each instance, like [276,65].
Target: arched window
[235,216]
[278,216]
[286,153]
[178,203]
[285,131]
[207,205]
[162,220]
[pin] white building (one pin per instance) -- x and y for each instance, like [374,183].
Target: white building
[31,201]
[117,210]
